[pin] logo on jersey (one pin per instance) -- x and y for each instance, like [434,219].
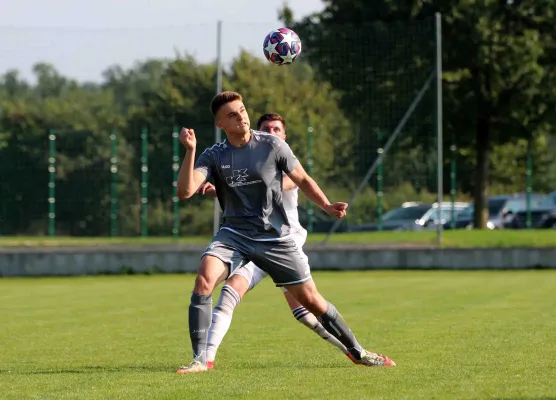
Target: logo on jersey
[239,178]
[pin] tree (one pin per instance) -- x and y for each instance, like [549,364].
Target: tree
[295,93]
[82,120]
[497,65]
[178,93]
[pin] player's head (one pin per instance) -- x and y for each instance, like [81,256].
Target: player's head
[229,113]
[272,123]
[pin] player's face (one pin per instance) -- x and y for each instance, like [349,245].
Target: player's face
[232,118]
[275,128]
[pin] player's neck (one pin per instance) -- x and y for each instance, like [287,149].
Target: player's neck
[239,139]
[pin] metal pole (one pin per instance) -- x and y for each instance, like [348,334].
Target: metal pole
[175,170]
[387,146]
[144,181]
[379,182]
[440,160]
[310,210]
[217,132]
[528,190]
[113,185]
[52,184]
[453,148]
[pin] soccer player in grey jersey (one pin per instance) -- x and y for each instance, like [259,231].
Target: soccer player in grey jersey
[246,278]
[247,171]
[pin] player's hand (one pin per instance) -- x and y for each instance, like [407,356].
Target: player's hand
[188,139]
[336,209]
[207,189]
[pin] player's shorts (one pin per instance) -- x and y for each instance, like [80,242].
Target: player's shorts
[254,275]
[283,260]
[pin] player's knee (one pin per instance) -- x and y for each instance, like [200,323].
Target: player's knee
[204,285]
[239,284]
[315,306]
[311,299]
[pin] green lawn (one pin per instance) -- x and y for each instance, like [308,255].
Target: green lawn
[454,335]
[457,238]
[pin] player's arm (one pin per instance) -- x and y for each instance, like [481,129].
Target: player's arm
[314,193]
[189,179]
[287,162]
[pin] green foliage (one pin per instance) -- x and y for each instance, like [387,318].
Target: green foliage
[300,102]
[360,70]
[498,62]
[509,165]
[157,95]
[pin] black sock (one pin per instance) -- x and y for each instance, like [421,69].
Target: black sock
[337,327]
[200,318]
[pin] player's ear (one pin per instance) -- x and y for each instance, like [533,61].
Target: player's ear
[218,124]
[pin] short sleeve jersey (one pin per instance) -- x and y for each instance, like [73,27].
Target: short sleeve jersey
[248,183]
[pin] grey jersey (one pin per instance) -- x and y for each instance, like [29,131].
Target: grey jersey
[248,183]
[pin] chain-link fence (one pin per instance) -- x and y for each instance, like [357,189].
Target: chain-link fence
[98,155]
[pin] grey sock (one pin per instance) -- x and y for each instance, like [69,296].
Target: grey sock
[200,311]
[337,327]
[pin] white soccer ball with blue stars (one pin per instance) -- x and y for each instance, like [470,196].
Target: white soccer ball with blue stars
[282,46]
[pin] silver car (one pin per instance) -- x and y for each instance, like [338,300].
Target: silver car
[435,216]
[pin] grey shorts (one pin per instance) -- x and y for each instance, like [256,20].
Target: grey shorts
[283,260]
[254,275]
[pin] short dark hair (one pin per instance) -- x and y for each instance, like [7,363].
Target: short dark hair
[271,117]
[223,98]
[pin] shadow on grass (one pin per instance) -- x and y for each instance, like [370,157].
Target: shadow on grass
[93,369]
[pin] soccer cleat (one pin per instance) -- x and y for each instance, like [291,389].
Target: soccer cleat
[210,364]
[370,359]
[348,354]
[195,366]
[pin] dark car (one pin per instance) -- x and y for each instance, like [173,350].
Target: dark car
[399,219]
[543,215]
[500,209]
[322,223]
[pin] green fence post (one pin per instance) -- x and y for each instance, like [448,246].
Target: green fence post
[310,211]
[113,184]
[52,183]
[175,170]
[144,181]
[528,190]
[379,182]
[453,149]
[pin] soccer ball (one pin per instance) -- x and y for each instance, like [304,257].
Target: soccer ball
[282,46]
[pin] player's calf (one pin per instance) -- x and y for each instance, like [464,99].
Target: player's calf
[211,271]
[307,294]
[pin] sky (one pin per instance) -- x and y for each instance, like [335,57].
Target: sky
[83,38]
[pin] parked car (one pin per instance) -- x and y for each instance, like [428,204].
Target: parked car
[543,215]
[431,219]
[322,223]
[413,216]
[501,208]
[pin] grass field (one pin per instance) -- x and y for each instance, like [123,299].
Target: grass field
[456,238]
[454,335]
